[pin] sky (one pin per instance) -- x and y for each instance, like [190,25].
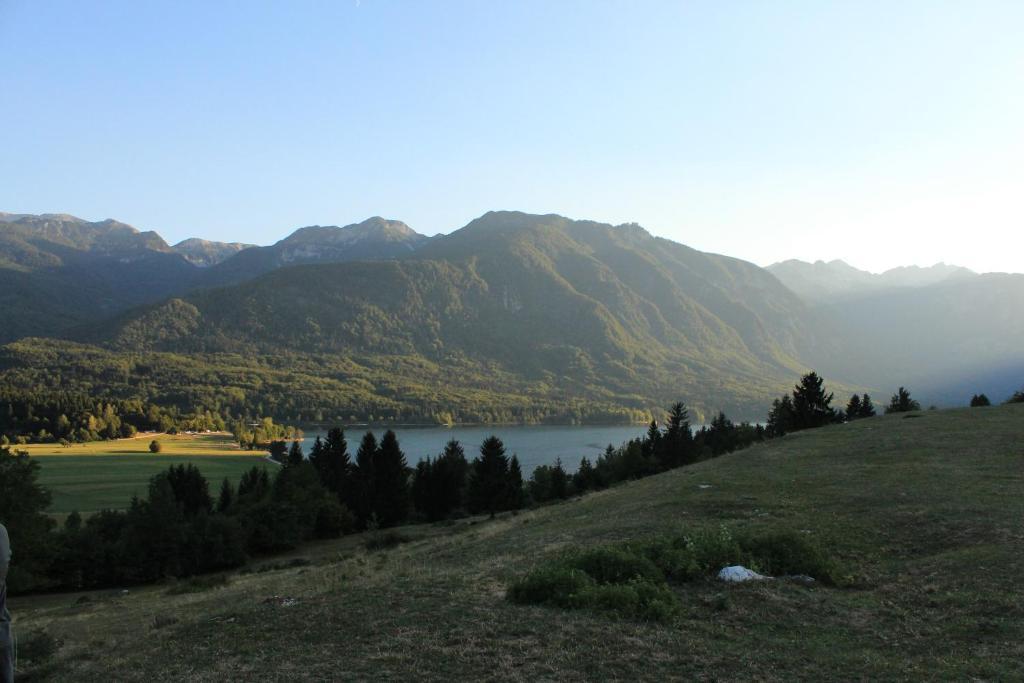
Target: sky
[883,133]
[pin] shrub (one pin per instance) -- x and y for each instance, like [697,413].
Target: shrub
[630,579]
[635,599]
[154,446]
[552,585]
[790,553]
[616,565]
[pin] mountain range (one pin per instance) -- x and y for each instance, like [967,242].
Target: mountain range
[514,316]
[833,280]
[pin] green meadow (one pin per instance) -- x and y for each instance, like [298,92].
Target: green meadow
[106,474]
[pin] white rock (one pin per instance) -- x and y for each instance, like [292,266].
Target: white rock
[739,574]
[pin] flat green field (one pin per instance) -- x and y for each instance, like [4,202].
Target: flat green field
[88,484]
[106,474]
[925,513]
[217,443]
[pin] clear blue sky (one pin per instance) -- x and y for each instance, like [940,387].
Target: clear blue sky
[884,133]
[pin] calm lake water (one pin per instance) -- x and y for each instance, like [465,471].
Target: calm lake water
[534,444]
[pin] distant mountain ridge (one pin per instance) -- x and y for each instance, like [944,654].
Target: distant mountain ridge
[58,271]
[373,239]
[823,281]
[543,310]
[205,253]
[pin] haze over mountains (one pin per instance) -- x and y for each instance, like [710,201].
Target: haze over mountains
[518,304]
[828,281]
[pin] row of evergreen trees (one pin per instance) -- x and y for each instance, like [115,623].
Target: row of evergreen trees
[380,489]
[660,449]
[179,529]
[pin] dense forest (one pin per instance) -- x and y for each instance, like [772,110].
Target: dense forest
[62,417]
[301,389]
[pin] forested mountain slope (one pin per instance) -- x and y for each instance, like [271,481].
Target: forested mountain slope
[572,304]
[58,271]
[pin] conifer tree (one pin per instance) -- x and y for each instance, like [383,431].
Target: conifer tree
[514,485]
[811,405]
[584,479]
[867,408]
[677,441]
[901,402]
[391,482]
[488,484]
[652,441]
[780,418]
[189,488]
[227,496]
[316,456]
[254,485]
[425,496]
[365,480]
[721,434]
[451,471]
[559,481]
[334,466]
[980,401]
[295,456]
[853,408]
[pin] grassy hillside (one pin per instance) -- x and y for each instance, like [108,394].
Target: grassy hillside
[924,512]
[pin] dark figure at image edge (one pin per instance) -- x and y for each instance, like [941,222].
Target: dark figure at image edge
[6,643]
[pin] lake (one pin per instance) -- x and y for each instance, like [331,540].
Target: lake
[533,444]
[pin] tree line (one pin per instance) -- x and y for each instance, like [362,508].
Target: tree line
[180,528]
[61,417]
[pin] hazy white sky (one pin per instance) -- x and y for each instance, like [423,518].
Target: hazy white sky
[878,132]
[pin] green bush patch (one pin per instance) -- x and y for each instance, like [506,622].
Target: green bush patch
[632,579]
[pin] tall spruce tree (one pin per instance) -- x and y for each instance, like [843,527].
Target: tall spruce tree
[451,471]
[853,408]
[488,484]
[424,490]
[585,478]
[514,485]
[780,417]
[811,404]
[559,481]
[867,408]
[334,466]
[652,442]
[391,482]
[677,441]
[227,496]
[365,479]
[295,455]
